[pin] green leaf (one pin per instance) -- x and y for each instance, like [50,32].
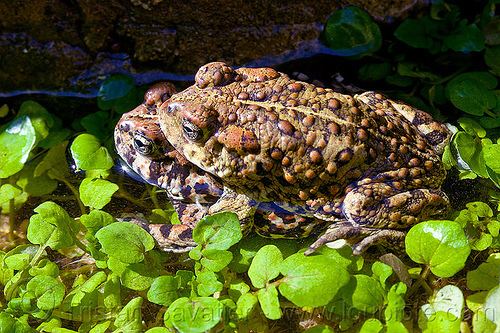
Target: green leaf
[88,153]
[9,192]
[35,185]
[9,324]
[52,226]
[308,280]
[471,92]
[125,241]
[491,306]
[245,304]
[219,231]
[163,290]
[101,327]
[412,70]
[40,118]
[419,33]
[158,330]
[54,163]
[49,292]
[492,156]
[350,31]
[113,89]
[97,124]
[368,295]
[269,302]
[216,260]
[20,257]
[371,325]
[6,273]
[97,193]
[482,324]
[374,71]
[265,266]
[444,311]
[381,272]
[208,283]
[95,220]
[129,319]
[486,276]
[17,139]
[471,127]
[469,153]
[394,312]
[442,245]
[45,267]
[195,315]
[467,38]
[492,58]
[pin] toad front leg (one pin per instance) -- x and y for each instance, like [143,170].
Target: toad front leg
[377,213]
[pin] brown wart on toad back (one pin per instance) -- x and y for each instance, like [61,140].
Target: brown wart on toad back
[369,164]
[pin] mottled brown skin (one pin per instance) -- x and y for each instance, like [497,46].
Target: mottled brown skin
[368,163]
[193,192]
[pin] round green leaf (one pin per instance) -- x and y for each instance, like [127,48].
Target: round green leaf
[16,141]
[215,260]
[371,325]
[486,276]
[219,231]
[467,38]
[471,92]
[48,291]
[125,241]
[368,295]
[195,315]
[97,193]
[163,290]
[52,226]
[311,280]
[419,33]
[442,245]
[112,89]
[351,31]
[88,153]
[265,266]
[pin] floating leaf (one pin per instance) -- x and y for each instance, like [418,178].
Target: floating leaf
[97,193]
[16,141]
[219,231]
[309,280]
[125,241]
[265,266]
[52,226]
[88,153]
[442,245]
[350,31]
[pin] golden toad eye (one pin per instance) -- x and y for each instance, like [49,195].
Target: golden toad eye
[143,145]
[192,132]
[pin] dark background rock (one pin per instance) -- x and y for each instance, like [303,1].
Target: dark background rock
[71,45]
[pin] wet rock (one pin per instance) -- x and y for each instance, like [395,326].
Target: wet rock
[56,44]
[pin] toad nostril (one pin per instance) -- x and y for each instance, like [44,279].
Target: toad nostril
[125,127]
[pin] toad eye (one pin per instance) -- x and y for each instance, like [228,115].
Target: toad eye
[143,145]
[192,132]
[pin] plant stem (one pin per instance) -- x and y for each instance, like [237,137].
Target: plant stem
[76,194]
[125,195]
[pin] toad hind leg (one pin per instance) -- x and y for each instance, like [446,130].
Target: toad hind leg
[374,213]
